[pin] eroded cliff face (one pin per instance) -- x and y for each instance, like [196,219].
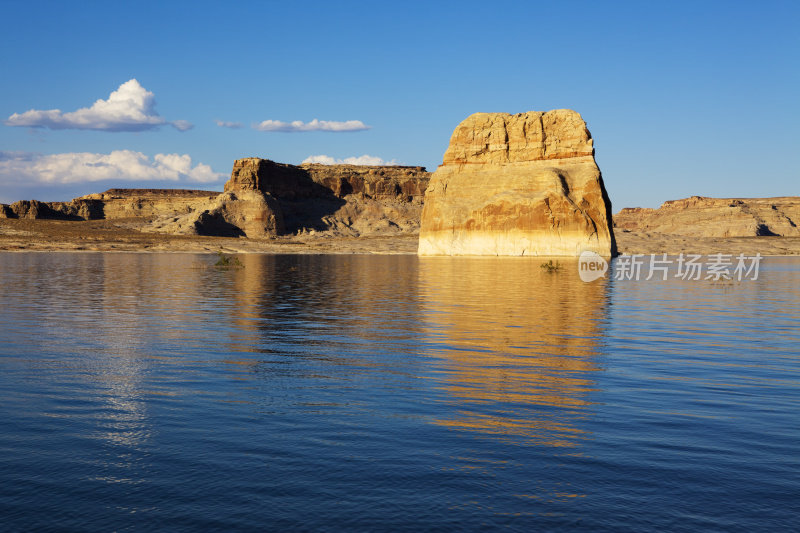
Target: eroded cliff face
[244,213]
[262,199]
[700,216]
[145,204]
[524,184]
[349,200]
[150,203]
[77,209]
[315,180]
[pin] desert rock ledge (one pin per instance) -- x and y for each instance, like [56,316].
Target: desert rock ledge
[265,199]
[524,184]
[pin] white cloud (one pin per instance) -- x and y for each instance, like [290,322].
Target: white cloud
[227,124]
[182,125]
[129,108]
[360,160]
[314,125]
[120,165]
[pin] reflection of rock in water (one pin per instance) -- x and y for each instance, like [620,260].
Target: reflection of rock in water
[315,306]
[518,344]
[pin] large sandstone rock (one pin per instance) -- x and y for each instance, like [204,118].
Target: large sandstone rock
[524,184]
[344,200]
[700,216]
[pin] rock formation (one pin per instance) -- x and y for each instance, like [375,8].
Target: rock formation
[524,184]
[145,204]
[699,216]
[149,204]
[262,199]
[348,200]
[251,214]
[314,180]
[78,209]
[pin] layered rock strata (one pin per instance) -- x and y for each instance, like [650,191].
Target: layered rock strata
[249,214]
[700,216]
[262,199]
[150,203]
[524,184]
[349,200]
[144,204]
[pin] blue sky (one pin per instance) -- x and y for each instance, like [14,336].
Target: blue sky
[681,98]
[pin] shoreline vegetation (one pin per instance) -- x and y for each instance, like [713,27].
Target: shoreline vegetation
[119,235]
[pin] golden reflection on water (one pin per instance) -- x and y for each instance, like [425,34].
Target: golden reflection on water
[519,344]
[362,297]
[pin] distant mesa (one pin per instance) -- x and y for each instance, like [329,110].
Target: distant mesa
[262,199]
[142,204]
[524,184]
[699,216]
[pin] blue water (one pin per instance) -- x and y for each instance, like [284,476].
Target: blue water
[368,393]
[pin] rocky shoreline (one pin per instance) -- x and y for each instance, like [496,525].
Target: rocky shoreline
[30,235]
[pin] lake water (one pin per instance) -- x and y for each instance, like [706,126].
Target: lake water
[368,393]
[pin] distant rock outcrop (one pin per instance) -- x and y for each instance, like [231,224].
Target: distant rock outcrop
[699,216]
[144,204]
[78,209]
[524,184]
[262,199]
[149,204]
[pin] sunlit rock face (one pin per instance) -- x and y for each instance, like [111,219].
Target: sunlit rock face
[144,204]
[250,214]
[700,216]
[524,184]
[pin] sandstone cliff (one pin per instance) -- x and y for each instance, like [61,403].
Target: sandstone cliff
[33,209]
[699,216]
[150,203]
[524,184]
[144,204]
[262,199]
[344,200]
[251,214]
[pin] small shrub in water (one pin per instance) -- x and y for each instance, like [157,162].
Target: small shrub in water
[550,266]
[226,261]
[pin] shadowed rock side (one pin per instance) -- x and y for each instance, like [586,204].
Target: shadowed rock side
[524,184]
[262,199]
[231,214]
[699,216]
[341,200]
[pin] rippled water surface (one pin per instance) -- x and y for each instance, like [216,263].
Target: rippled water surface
[374,393]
